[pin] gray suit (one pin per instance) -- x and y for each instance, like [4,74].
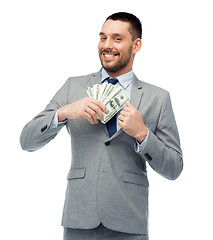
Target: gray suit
[107,182]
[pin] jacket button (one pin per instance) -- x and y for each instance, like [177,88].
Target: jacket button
[107,143]
[148,157]
[44,128]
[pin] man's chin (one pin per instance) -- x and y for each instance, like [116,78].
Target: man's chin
[111,68]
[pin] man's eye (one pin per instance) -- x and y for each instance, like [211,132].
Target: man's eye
[117,39]
[103,38]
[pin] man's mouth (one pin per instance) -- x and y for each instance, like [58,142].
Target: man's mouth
[109,55]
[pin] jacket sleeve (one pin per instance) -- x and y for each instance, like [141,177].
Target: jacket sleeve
[162,150]
[39,131]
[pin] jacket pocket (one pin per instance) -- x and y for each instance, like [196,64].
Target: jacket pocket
[134,178]
[76,173]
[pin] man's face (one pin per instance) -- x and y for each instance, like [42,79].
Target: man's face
[116,47]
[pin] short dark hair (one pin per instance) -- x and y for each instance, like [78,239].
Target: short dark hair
[136,25]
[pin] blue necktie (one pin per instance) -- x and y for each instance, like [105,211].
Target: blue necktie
[111,124]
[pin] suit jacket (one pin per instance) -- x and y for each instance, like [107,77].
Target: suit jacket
[107,182]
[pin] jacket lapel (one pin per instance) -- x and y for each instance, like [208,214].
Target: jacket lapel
[135,99]
[94,79]
[136,92]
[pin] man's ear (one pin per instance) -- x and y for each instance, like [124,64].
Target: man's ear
[137,45]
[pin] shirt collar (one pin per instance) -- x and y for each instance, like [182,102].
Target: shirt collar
[125,80]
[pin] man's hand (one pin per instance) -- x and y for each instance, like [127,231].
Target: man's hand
[131,121]
[83,108]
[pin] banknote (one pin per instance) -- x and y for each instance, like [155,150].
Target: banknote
[114,98]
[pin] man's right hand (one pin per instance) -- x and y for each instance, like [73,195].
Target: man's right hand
[83,108]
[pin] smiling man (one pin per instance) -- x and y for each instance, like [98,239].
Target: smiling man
[117,47]
[107,190]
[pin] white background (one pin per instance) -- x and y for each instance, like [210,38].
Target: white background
[43,43]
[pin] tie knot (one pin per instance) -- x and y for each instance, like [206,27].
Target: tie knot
[113,81]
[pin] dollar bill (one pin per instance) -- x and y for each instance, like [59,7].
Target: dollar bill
[114,103]
[114,98]
[90,92]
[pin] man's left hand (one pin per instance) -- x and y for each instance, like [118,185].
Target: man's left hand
[131,121]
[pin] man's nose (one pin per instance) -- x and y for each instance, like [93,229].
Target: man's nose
[108,44]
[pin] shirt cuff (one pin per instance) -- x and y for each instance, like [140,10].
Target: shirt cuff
[55,122]
[140,147]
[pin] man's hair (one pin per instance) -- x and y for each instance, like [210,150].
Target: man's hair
[135,24]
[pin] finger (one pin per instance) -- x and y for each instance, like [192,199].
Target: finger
[96,109]
[121,124]
[129,107]
[92,113]
[99,104]
[102,106]
[121,118]
[89,118]
[126,110]
[124,113]
[99,112]
[128,104]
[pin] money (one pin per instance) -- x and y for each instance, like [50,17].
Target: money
[114,98]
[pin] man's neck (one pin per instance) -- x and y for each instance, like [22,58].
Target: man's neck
[118,73]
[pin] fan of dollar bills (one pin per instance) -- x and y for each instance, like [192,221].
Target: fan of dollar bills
[114,98]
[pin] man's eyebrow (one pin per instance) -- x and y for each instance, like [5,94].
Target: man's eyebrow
[114,34]
[117,35]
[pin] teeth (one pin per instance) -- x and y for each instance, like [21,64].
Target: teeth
[107,55]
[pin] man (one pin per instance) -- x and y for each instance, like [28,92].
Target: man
[107,192]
